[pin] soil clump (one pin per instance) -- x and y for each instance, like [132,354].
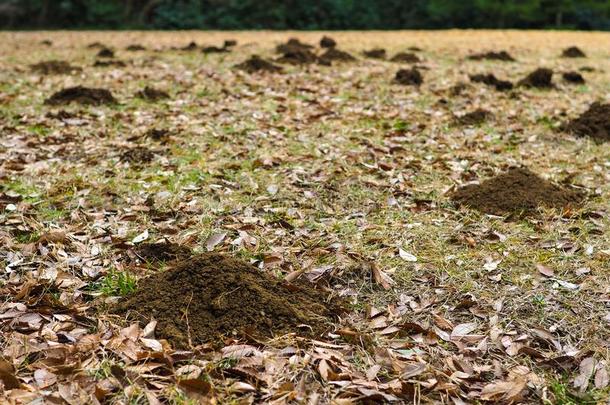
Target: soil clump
[135,48]
[501,56]
[573,77]
[518,191]
[475,117]
[105,53]
[54,67]
[409,77]
[327,42]
[152,94]
[81,95]
[161,252]
[573,52]
[376,53]
[258,64]
[108,63]
[213,296]
[593,123]
[137,155]
[298,57]
[405,57]
[293,44]
[491,80]
[335,55]
[541,78]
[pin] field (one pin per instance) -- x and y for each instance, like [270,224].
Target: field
[329,174]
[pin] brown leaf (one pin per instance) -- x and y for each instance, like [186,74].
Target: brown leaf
[7,375]
[545,271]
[381,277]
[506,391]
[195,385]
[586,368]
[214,240]
[601,377]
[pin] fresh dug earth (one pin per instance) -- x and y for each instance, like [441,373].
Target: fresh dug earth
[55,67]
[298,57]
[257,64]
[138,155]
[573,52]
[376,53]
[515,192]
[335,55]
[501,55]
[491,80]
[81,95]
[409,77]
[327,42]
[292,45]
[573,77]
[107,63]
[405,57]
[475,117]
[211,297]
[541,78]
[152,94]
[105,53]
[593,123]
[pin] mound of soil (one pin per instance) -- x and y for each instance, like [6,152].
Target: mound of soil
[573,77]
[81,95]
[594,123]
[258,64]
[229,43]
[377,53]
[541,78]
[588,69]
[105,53]
[502,56]
[46,42]
[405,57]
[415,49]
[327,42]
[108,63]
[573,52]
[161,252]
[491,80]
[192,46]
[54,67]
[212,296]
[458,89]
[96,45]
[335,55]
[139,154]
[410,77]
[135,48]
[293,44]
[152,94]
[517,191]
[475,117]
[160,135]
[215,49]
[298,57]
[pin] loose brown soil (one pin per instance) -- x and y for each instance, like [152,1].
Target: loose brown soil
[54,67]
[293,44]
[161,252]
[258,64]
[160,135]
[573,77]
[410,77]
[135,48]
[137,155]
[229,43]
[298,57]
[152,94]
[515,192]
[377,53]
[335,55]
[192,46]
[458,89]
[405,57]
[81,95]
[491,80]
[573,52]
[108,63]
[475,117]
[213,296]
[327,42]
[215,49]
[105,53]
[501,55]
[593,123]
[96,45]
[541,78]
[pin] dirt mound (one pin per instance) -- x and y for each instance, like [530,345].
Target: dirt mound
[405,57]
[327,42]
[541,78]
[229,43]
[298,57]
[214,49]
[594,123]
[160,135]
[108,63]
[96,45]
[192,46]
[587,69]
[81,95]
[46,42]
[54,67]
[105,53]
[293,44]
[458,88]
[136,155]
[152,94]
[410,77]
[212,296]
[573,77]
[376,53]
[517,191]
[258,64]
[491,80]
[335,55]
[135,48]
[573,52]
[475,117]
[161,252]
[502,56]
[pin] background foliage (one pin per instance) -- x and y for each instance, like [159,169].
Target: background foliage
[309,15]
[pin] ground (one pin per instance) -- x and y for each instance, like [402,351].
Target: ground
[336,174]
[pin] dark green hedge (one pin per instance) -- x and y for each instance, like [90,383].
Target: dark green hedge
[306,15]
